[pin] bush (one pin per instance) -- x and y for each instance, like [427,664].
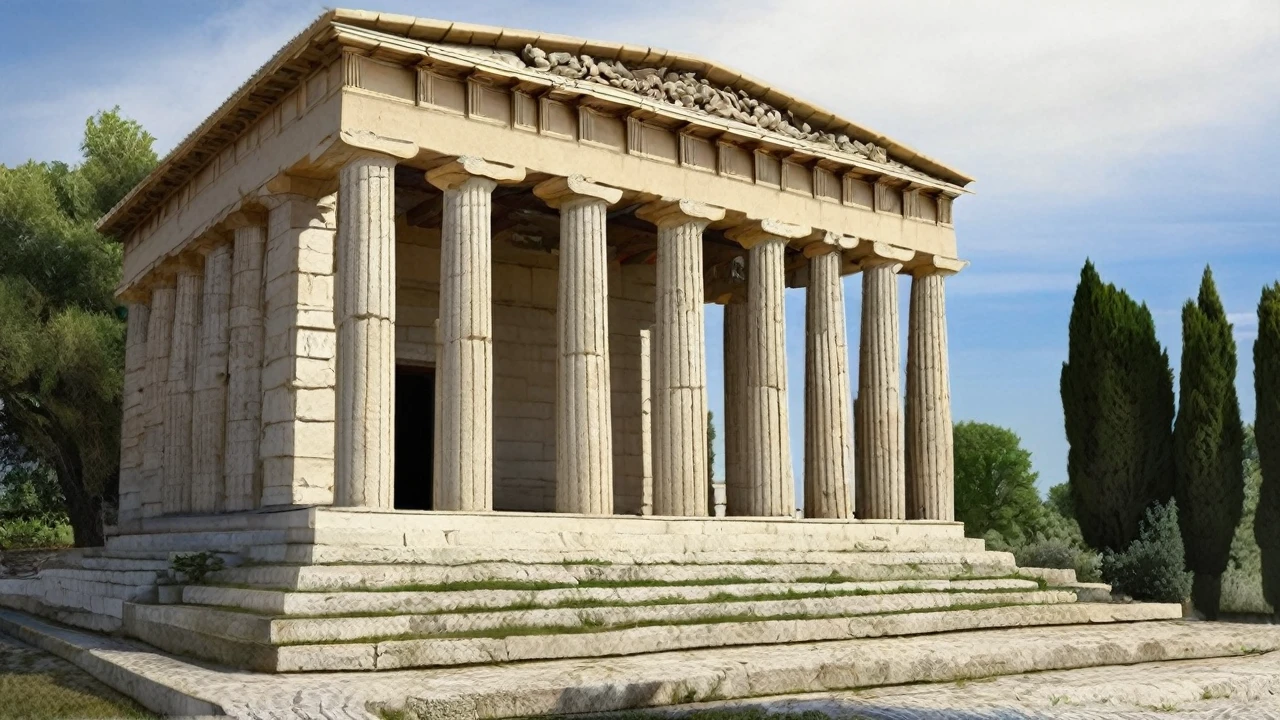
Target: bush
[193,567]
[25,534]
[1047,554]
[1152,567]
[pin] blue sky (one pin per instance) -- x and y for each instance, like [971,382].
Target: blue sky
[1141,134]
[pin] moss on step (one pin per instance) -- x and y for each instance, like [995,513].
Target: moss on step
[596,626]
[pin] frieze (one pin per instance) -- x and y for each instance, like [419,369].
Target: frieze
[688,90]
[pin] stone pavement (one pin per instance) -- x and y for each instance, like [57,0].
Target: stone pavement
[1245,687]
[172,685]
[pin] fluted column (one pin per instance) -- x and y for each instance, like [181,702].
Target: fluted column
[680,478]
[881,490]
[464,369]
[767,458]
[243,476]
[155,397]
[828,441]
[584,424]
[365,305]
[930,465]
[209,427]
[736,480]
[133,415]
[178,416]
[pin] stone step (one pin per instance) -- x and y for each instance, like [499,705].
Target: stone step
[230,541]
[643,543]
[863,567]
[297,631]
[274,602]
[123,564]
[117,577]
[151,624]
[300,554]
[170,685]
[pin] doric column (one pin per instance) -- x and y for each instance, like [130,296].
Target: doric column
[737,482]
[930,466]
[680,478]
[178,416]
[133,416]
[464,367]
[767,458]
[828,439]
[243,474]
[209,427]
[584,424]
[155,396]
[365,305]
[881,490]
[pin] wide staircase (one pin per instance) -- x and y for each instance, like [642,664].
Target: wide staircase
[371,591]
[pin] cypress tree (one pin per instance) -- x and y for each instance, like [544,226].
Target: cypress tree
[1266,431]
[1208,445]
[1117,401]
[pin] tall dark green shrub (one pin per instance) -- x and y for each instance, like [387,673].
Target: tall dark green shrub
[1208,444]
[1117,401]
[1266,430]
[1152,567]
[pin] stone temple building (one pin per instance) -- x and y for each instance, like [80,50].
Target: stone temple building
[423,304]
[470,272]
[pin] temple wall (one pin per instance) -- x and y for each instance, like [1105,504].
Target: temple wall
[524,324]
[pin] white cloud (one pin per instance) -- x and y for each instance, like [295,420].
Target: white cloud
[1045,97]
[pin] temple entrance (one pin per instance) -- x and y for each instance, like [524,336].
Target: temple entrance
[415,429]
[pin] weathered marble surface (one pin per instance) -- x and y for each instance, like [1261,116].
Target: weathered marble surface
[171,685]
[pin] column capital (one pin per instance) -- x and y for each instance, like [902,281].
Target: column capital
[924,264]
[678,211]
[876,254]
[351,146]
[560,191]
[245,217]
[460,169]
[828,242]
[285,186]
[754,232]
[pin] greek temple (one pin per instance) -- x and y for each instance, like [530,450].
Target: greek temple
[470,273]
[417,319]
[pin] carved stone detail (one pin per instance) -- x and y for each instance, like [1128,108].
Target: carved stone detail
[686,89]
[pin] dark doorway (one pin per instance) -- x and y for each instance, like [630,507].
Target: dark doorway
[415,433]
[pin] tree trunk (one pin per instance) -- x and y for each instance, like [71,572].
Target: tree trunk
[84,510]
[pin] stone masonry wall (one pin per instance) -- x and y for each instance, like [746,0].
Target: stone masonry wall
[298,365]
[524,356]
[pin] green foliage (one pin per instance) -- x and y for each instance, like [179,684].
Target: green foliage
[1151,568]
[61,343]
[1047,554]
[1117,401]
[711,447]
[195,566]
[1242,580]
[1208,444]
[25,534]
[1266,380]
[995,486]
[29,491]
